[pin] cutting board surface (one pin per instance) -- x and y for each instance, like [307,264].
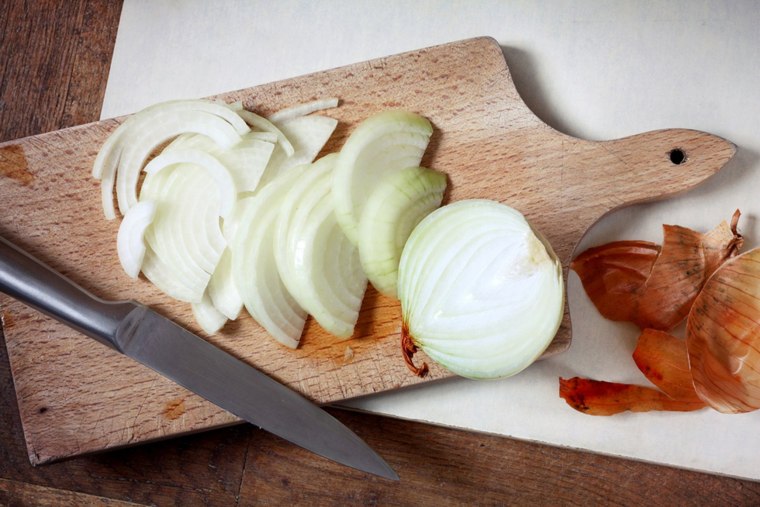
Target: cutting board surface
[76,396]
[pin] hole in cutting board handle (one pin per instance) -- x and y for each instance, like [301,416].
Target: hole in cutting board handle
[677,156]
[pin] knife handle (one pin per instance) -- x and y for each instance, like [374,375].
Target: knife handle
[28,280]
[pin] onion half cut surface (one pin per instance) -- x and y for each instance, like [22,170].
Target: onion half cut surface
[481,291]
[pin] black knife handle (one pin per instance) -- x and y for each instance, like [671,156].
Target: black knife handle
[28,280]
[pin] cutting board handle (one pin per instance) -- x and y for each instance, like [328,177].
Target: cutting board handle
[27,279]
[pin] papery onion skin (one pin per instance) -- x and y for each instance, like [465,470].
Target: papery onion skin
[723,336]
[612,274]
[597,397]
[664,361]
[636,281]
[481,292]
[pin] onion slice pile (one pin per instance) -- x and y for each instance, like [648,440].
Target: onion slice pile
[400,201]
[318,264]
[178,231]
[122,156]
[254,266]
[481,291]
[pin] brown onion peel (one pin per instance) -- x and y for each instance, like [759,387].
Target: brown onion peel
[408,349]
[654,287]
[612,275]
[723,336]
[597,397]
[664,361]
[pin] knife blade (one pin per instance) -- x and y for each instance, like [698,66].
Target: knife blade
[174,352]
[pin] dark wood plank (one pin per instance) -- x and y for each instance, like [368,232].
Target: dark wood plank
[14,493]
[41,91]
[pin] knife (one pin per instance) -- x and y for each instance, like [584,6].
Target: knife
[155,341]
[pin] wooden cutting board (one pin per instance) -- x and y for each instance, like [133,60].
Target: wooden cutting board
[76,396]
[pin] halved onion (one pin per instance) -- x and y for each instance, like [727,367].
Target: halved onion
[254,267]
[386,142]
[400,201]
[481,291]
[318,264]
[130,240]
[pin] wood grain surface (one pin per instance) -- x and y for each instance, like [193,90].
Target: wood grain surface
[53,66]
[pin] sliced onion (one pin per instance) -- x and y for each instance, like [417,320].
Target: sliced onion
[388,141]
[246,161]
[185,239]
[222,289]
[318,264]
[130,242]
[723,336]
[193,157]
[304,109]
[125,152]
[207,316]
[261,123]
[481,292]
[309,134]
[254,267]
[400,201]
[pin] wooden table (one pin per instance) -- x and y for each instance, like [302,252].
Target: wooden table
[54,60]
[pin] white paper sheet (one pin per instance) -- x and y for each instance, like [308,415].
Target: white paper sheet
[598,70]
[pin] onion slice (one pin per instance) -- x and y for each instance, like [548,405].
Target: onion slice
[254,267]
[308,134]
[318,264]
[261,123]
[207,316]
[245,161]
[187,157]
[130,241]
[222,289]
[386,142]
[400,201]
[303,109]
[481,291]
